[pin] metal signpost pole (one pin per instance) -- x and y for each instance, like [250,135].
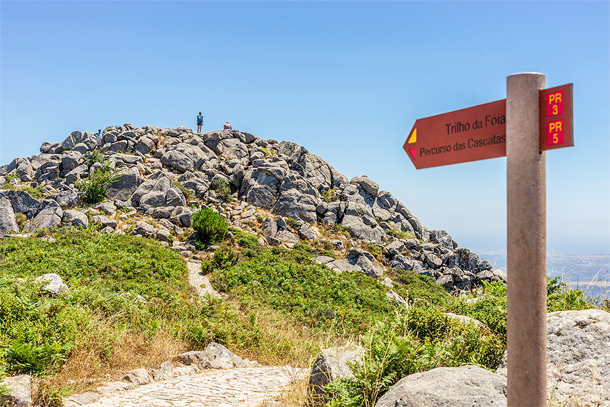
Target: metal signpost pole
[526,243]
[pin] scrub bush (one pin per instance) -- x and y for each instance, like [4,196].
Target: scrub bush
[93,189]
[223,189]
[210,227]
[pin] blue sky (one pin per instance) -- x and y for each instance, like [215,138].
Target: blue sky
[347,80]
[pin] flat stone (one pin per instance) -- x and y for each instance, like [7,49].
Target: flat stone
[83,399]
[464,319]
[139,377]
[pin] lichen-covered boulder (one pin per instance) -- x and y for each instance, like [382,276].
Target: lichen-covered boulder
[54,284]
[20,393]
[464,386]
[578,357]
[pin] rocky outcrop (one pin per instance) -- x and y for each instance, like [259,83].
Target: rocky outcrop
[126,183]
[464,386]
[364,261]
[215,356]
[49,217]
[337,265]
[8,221]
[159,170]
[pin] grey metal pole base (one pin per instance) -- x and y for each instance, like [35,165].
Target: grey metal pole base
[526,243]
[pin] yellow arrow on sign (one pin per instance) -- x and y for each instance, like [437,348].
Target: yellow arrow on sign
[413,137]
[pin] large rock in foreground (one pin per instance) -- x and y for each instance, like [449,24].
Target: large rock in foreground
[578,358]
[464,386]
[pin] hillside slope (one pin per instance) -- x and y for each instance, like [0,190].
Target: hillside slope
[165,174]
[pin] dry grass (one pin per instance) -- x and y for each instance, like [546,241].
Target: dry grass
[87,368]
[282,343]
[285,343]
[294,396]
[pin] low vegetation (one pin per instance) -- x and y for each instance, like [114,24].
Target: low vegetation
[399,234]
[93,157]
[93,188]
[210,227]
[223,189]
[129,305]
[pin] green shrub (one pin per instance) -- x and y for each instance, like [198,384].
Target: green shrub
[245,239]
[292,223]
[35,192]
[93,157]
[399,234]
[421,288]
[188,194]
[290,282]
[93,188]
[21,220]
[4,390]
[340,229]
[561,298]
[374,250]
[222,188]
[210,227]
[327,253]
[39,332]
[328,195]
[12,176]
[223,258]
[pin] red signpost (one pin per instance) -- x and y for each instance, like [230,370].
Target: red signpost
[472,134]
[521,127]
[479,132]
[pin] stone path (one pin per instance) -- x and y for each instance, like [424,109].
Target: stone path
[199,281]
[248,387]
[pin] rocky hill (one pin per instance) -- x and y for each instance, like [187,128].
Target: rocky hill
[164,175]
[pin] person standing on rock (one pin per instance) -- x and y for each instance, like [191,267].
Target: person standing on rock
[199,122]
[228,126]
[98,138]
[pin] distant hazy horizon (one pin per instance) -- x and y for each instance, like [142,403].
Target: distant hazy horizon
[586,271]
